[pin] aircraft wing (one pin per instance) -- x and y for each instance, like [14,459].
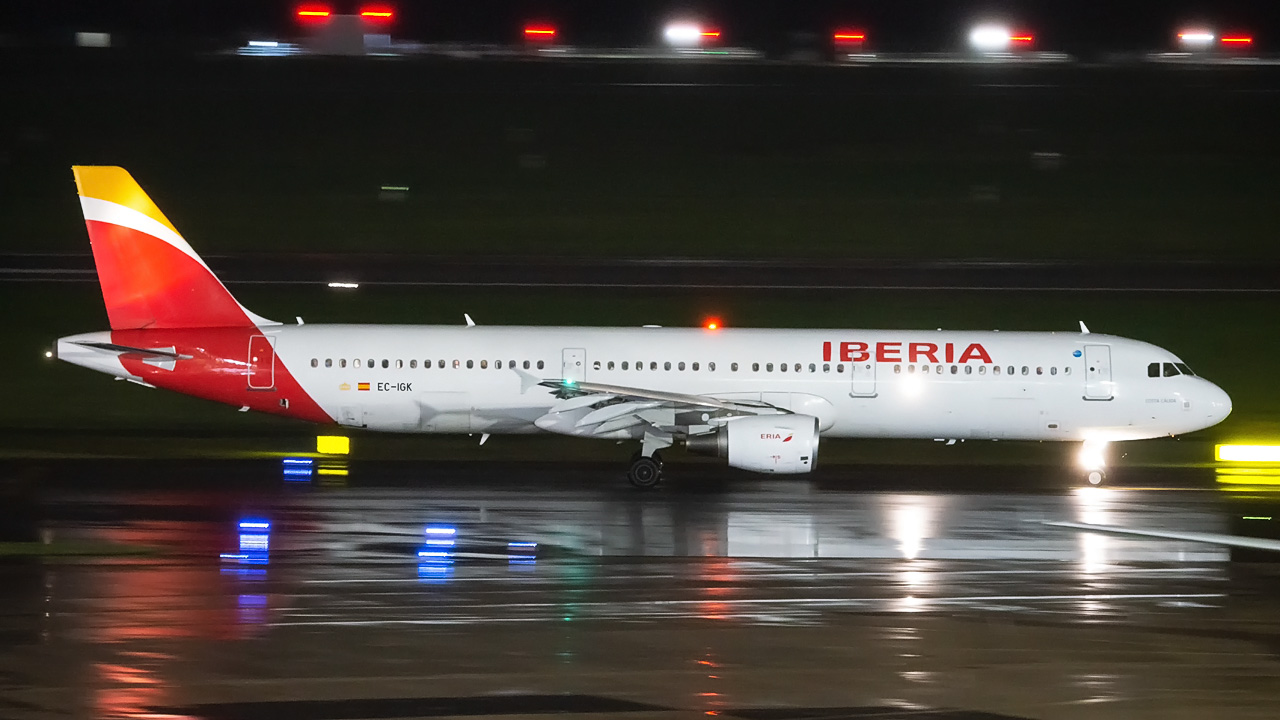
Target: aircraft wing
[615,411]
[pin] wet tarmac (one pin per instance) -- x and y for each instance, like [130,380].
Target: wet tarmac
[477,591]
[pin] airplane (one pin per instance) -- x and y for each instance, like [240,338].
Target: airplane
[762,399]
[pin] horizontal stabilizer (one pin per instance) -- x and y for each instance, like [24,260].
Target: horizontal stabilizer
[168,354]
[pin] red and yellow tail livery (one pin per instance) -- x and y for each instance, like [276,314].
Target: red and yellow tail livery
[150,276]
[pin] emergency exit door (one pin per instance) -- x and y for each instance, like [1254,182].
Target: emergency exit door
[574,365]
[262,362]
[863,376]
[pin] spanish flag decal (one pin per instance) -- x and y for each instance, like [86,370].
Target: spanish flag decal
[363,387]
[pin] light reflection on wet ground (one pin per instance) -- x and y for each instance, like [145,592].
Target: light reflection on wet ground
[760,594]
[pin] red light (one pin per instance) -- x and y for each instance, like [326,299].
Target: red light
[710,33]
[376,13]
[1242,40]
[313,12]
[1021,38]
[540,32]
[712,324]
[849,36]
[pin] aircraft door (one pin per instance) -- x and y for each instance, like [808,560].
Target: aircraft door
[863,375]
[1097,368]
[262,362]
[574,365]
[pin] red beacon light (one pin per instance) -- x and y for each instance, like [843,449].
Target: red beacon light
[1022,39]
[377,13]
[1237,40]
[849,37]
[712,324]
[313,13]
[539,33]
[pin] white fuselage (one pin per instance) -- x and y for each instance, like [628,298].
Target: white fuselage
[859,383]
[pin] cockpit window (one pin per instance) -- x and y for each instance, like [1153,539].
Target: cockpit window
[1184,369]
[1153,370]
[1170,370]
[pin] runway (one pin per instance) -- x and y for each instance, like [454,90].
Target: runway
[463,591]
[690,273]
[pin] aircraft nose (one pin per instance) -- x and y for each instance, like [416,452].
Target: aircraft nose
[1219,403]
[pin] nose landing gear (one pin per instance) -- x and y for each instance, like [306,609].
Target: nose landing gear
[1093,460]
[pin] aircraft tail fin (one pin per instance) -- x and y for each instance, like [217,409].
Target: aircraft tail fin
[150,276]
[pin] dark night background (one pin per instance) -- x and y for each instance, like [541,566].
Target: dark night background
[897,25]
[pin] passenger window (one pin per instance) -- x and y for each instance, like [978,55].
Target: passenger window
[355,363]
[840,367]
[315,362]
[1011,369]
[328,362]
[610,365]
[924,369]
[457,364]
[511,364]
[982,369]
[755,367]
[1039,370]
[968,369]
[342,363]
[955,369]
[897,369]
[526,364]
[782,367]
[680,366]
[813,368]
[797,367]
[399,364]
[1170,370]
[413,364]
[938,369]
[1066,370]
[471,364]
[711,366]
[595,365]
[440,364]
[826,367]
[768,367]
[1153,370]
[625,366]
[1026,370]
[498,364]
[1184,369]
[484,364]
[371,364]
[1053,370]
[541,364]
[995,370]
[911,369]
[733,367]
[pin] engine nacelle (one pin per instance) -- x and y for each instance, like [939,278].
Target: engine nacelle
[784,444]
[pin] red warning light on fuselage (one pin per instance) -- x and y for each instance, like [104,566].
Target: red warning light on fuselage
[849,37]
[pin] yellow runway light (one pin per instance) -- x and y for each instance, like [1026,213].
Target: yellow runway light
[333,445]
[1248,453]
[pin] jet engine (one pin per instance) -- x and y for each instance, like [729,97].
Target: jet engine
[784,444]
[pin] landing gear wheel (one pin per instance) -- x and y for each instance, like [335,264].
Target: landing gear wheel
[1095,477]
[645,472]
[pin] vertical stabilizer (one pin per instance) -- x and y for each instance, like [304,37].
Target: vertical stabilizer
[150,276]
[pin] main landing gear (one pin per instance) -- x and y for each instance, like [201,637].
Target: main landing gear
[645,472]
